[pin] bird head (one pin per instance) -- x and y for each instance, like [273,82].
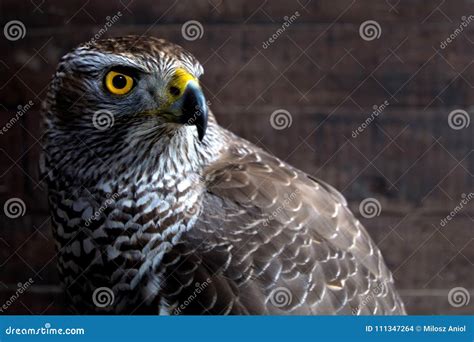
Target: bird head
[130,79]
[134,92]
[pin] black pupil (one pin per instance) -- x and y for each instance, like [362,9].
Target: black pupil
[119,81]
[174,91]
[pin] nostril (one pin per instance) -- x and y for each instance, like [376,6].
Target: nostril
[174,91]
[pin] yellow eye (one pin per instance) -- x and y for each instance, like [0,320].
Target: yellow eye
[118,83]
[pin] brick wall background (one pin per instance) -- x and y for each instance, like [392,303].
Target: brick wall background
[320,70]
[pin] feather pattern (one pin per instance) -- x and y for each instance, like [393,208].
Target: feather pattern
[174,225]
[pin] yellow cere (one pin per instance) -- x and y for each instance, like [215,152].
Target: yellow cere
[118,83]
[178,83]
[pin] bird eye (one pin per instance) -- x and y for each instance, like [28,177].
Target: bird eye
[118,83]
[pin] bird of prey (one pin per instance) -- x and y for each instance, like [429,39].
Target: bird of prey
[156,209]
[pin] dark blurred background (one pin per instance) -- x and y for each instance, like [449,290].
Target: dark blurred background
[326,72]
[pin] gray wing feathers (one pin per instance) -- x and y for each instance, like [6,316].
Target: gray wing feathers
[274,241]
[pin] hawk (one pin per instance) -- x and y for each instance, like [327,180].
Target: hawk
[156,209]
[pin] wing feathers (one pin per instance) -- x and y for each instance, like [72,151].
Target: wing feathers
[273,240]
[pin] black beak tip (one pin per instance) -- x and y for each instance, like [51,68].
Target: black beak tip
[195,111]
[200,134]
[201,128]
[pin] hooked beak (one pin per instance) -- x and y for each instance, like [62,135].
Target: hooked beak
[193,108]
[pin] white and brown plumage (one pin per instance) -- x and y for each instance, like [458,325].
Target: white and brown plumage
[177,215]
